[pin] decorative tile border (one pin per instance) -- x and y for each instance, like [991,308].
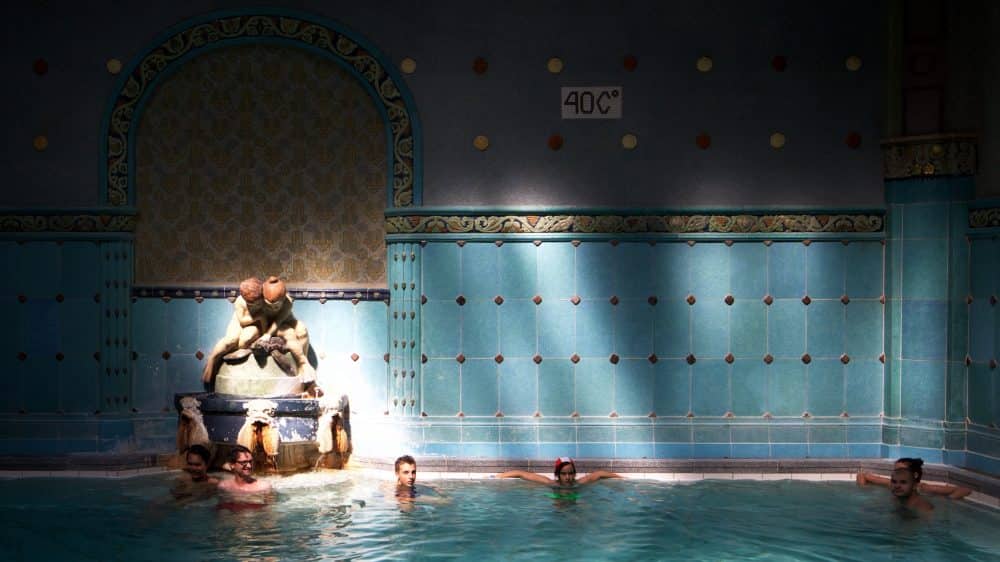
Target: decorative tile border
[929,155]
[984,218]
[67,222]
[542,223]
[201,293]
[224,29]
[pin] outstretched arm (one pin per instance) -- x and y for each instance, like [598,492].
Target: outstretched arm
[597,475]
[953,492]
[865,478]
[525,475]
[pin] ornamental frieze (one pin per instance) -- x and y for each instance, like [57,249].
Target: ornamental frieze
[67,223]
[626,224]
[236,29]
[984,218]
[939,155]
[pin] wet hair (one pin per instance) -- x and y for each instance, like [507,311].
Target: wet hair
[914,465]
[561,464]
[235,452]
[198,451]
[405,459]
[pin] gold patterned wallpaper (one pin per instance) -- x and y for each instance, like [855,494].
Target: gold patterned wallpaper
[261,160]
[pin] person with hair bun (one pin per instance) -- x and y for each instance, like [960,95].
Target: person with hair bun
[916,465]
[565,475]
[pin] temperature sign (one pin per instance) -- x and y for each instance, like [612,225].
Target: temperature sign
[593,102]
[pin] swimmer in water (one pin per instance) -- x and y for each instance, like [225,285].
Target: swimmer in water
[241,460]
[916,465]
[406,490]
[565,475]
[198,484]
[903,484]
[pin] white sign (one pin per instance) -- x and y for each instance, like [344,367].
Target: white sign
[591,102]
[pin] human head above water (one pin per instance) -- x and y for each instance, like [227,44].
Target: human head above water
[565,471]
[406,471]
[200,451]
[914,465]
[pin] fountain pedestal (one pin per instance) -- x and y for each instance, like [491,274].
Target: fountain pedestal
[259,406]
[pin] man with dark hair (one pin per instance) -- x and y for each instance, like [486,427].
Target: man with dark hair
[241,463]
[406,473]
[198,484]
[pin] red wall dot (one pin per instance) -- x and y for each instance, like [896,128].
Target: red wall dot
[40,66]
[703,141]
[555,142]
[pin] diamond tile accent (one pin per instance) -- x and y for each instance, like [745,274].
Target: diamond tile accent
[460,358]
[993,363]
[845,299]
[385,357]
[968,299]
[575,414]
[806,415]
[993,300]
[355,357]
[653,358]
[60,356]
[537,359]
[806,358]
[498,243]
[729,300]
[690,359]
[199,355]
[881,358]
[461,243]
[651,415]
[537,414]
[729,415]
[768,359]
[729,358]
[881,299]
[845,359]
[460,414]
[767,415]
[806,242]
[614,359]
[536,243]
[575,300]
[498,300]
[652,301]
[806,300]
[575,243]
[574,358]
[499,414]
[690,414]
[498,358]
[166,355]
[60,297]
[614,301]
[22,299]
[613,415]
[845,415]
[423,358]
[691,300]
[968,361]
[768,300]
[423,299]
[537,299]
[460,300]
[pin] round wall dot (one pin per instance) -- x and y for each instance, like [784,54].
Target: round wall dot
[630,62]
[703,141]
[777,140]
[853,63]
[41,142]
[408,65]
[853,139]
[40,66]
[779,63]
[555,65]
[479,65]
[114,66]
[704,64]
[481,142]
[629,141]
[555,142]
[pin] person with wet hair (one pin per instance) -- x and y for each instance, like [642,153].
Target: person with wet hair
[903,483]
[916,465]
[198,484]
[565,475]
[243,481]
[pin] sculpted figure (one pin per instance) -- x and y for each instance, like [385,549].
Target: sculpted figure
[245,327]
[263,320]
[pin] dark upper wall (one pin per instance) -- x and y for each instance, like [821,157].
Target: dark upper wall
[815,102]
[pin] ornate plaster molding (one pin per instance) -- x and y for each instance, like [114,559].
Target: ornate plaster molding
[624,224]
[984,218]
[929,155]
[67,222]
[241,28]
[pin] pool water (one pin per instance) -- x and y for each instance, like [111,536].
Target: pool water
[346,516]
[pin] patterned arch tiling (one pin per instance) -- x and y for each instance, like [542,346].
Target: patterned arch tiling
[389,93]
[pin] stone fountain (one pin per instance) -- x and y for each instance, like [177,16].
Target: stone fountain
[262,390]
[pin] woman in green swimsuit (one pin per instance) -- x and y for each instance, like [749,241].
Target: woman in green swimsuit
[565,475]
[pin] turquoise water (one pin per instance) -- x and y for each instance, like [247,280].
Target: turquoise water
[341,516]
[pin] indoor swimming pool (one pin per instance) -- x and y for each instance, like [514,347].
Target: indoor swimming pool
[353,516]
